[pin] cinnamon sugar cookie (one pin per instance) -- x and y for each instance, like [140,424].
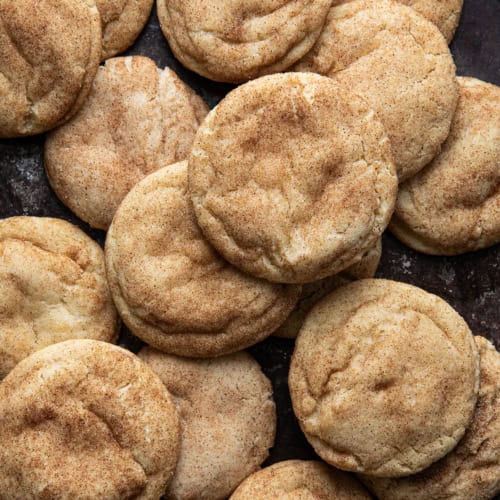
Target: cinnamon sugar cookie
[453,205]
[291,179]
[300,479]
[170,286]
[241,40]
[228,421]
[401,65]
[313,292]
[49,55]
[85,419]
[472,469]
[136,120]
[122,22]
[384,378]
[445,14]
[52,288]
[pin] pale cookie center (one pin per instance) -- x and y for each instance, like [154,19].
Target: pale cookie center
[46,296]
[372,375]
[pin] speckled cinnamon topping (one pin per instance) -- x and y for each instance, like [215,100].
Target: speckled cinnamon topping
[238,40]
[472,469]
[291,178]
[137,119]
[299,479]
[85,419]
[53,287]
[228,421]
[170,286]
[400,63]
[122,22]
[49,55]
[384,378]
[453,205]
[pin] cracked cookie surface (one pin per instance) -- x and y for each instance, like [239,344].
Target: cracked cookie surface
[136,120]
[300,479]
[170,286]
[445,14]
[85,419]
[472,469]
[238,40]
[290,180]
[228,421]
[453,205]
[384,378]
[53,287]
[313,292]
[49,55]
[122,22]
[401,65]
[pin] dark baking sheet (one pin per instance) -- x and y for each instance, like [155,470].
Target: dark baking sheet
[471,282]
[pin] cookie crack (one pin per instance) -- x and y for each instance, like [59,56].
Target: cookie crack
[116,438]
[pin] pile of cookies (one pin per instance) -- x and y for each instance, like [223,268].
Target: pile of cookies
[262,216]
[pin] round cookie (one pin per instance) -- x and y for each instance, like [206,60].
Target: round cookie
[291,180]
[53,287]
[401,65]
[122,22]
[241,40]
[86,419]
[445,14]
[300,479]
[170,286]
[384,378]
[453,205]
[49,55]
[472,469]
[313,292]
[136,120]
[228,421]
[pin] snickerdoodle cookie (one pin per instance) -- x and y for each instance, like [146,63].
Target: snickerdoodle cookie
[384,378]
[52,288]
[85,419]
[299,479]
[241,40]
[453,205]
[445,14]
[292,179]
[313,292]
[472,469]
[228,421]
[170,286]
[136,120]
[122,22]
[49,55]
[400,63]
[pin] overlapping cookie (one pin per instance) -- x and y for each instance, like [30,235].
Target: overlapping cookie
[122,22]
[453,205]
[228,421]
[171,287]
[472,469]
[401,65]
[300,479]
[53,288]
[292,178]
[49,55]
[137,119]
[86,419]
[243,39]
[384,378]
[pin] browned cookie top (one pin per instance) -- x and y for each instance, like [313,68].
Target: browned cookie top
[49,54]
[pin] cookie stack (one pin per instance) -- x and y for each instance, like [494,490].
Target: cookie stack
[262,216]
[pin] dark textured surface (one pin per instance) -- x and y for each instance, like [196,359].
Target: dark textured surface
[471,282]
